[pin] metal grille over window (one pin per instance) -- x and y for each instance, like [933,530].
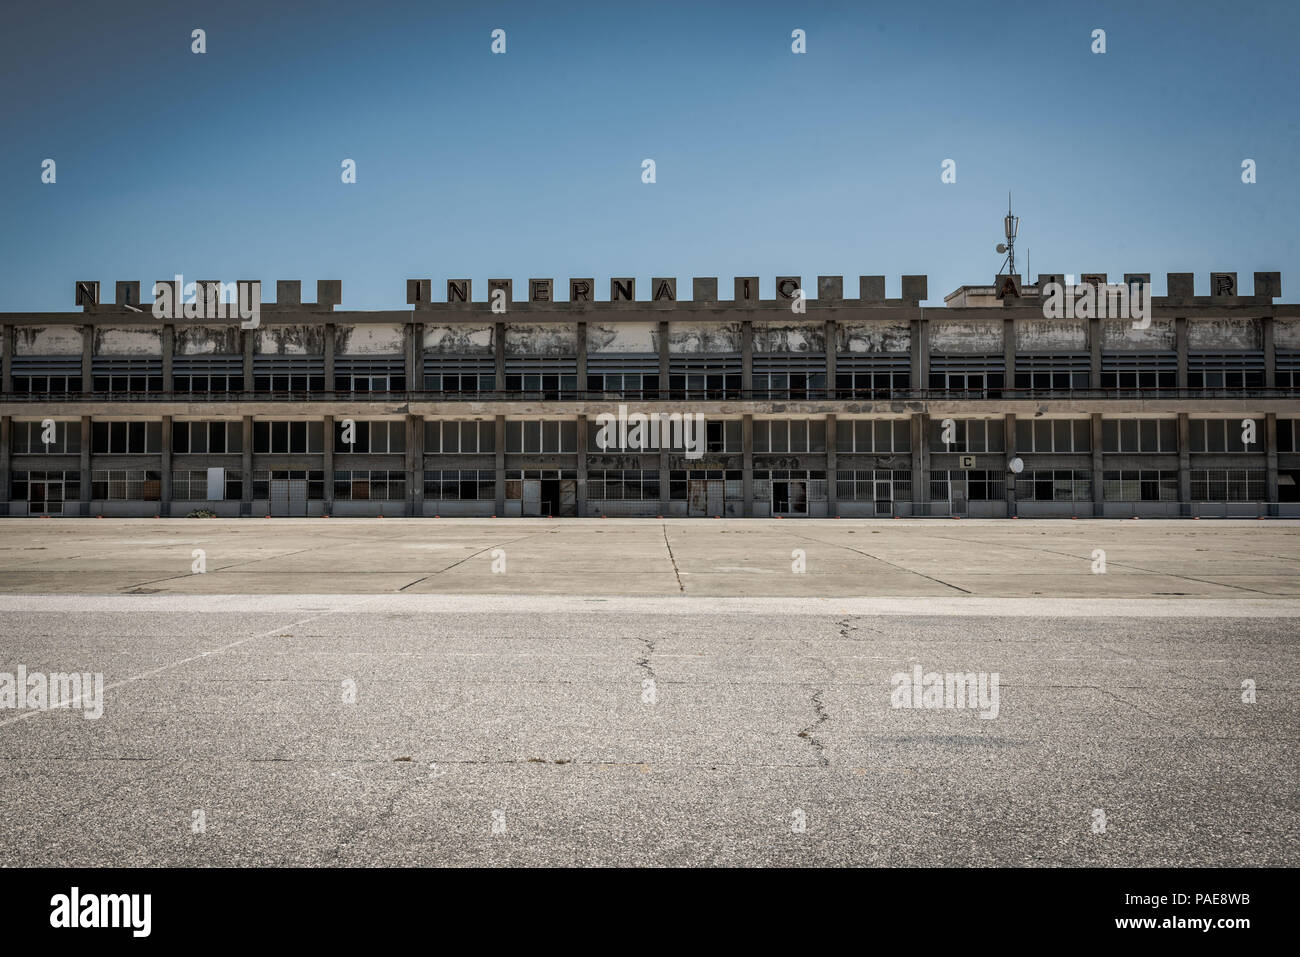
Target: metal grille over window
[52,375]
[1053,373]
[369,374]
[126,375]
[280,373]
[789,377]
[207,374]
[1226,370]
[861,377]
[455,375]
[1138,372]
[544,377]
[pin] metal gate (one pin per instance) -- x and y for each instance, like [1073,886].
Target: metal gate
[45,498]
[957,489]
[532,497]
[789,497]
[289,498]
[705,497]
[568,497]
[883,493]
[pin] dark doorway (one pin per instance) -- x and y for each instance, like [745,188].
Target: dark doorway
[551,497]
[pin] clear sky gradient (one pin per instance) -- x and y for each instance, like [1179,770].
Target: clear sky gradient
[226,165]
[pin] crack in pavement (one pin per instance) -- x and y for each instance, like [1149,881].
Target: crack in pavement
[473,555]
[883,561]
[1088,558]
[807,733]
[680,586]
[644,661]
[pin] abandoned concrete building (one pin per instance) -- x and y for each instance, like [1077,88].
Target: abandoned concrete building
[816,406]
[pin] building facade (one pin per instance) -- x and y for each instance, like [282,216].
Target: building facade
[816,406]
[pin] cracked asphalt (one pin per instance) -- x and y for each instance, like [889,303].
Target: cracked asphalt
[718,721]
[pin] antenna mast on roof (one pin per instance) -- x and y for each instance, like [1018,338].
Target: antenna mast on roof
[1010,226]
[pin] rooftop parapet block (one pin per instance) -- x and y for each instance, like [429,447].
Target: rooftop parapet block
[664,291]
[1268,284]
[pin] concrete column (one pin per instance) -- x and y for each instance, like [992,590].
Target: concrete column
[582,437]
[920,357]
[746,357]
[1094,350]
[1270,356]
[6,453]
[86,441]
[920,462]
[500,437]
[1270,479]
[665,486]
[246,460]
[414,463]
[499,346]
[832,350]
[1009,352]
[1098,498]
[1180,343]
[1009,427]
[327,453]
[663,358]
[328,348]
[248,337]
[832,490]
[582,358]
[1184,455]
[87,356]
[747,464]
[168,347]
[165,466]
[414,337]
[6,374]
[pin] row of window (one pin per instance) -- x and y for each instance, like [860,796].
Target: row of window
[701,376]
[880,436]
[43,489]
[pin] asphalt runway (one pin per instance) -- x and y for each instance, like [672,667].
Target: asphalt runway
[411,729]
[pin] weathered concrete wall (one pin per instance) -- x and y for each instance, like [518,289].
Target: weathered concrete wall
[369,340]
[290,341]
[789,337]
[1118,335]
[1286,334]
[47,341]
[207,341]
[704,337]
[1051,335]
[1216,335]
[128,340]
[542,339]
[873,337]
[623,337]
[459,340]
[962,338]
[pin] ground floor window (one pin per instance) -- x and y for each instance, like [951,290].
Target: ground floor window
[789,491]
[1139,485]
[45,492]
[982,485]
[207,485]
[460,485]
[873,485]
[125,485]
[1229,485]
[623,485]
[369,485]
[314,479]
[1054,485]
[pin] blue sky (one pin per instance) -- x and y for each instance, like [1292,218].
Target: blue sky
[226,165]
